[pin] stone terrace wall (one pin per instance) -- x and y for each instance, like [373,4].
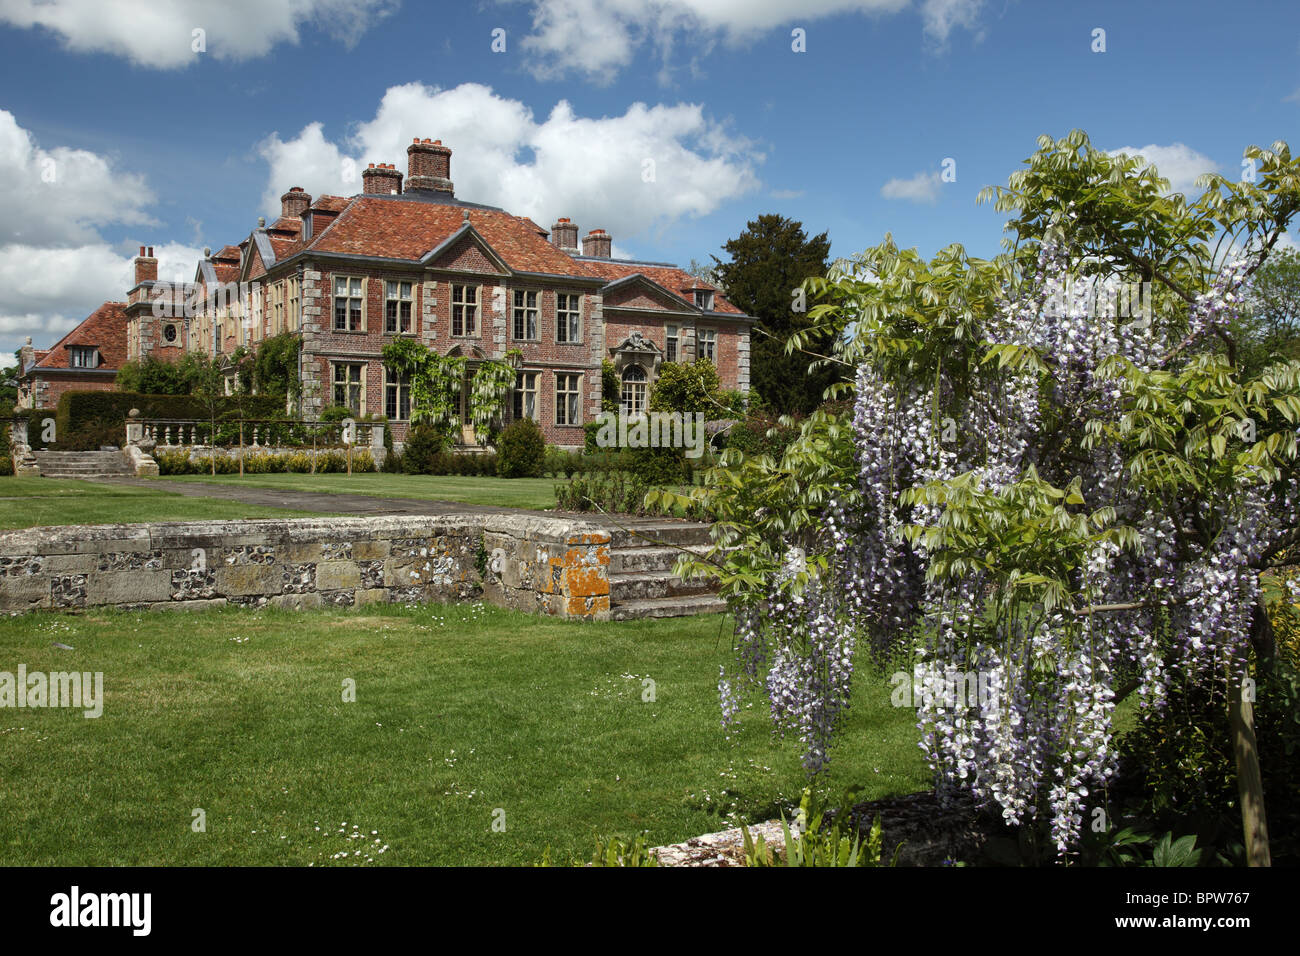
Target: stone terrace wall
[542,565]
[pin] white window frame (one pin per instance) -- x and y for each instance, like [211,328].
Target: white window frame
[634,393]
[466,306]
[348,384]
[565,396]
[526,393]
[672,343]
[707,345]
[528,310]
[295,304]
[401,292]
[356,293]
[398,384]
[568,318]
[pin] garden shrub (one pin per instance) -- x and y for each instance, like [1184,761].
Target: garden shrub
[335,413]
[424,443]
[616,492]
[7,463]
[661,466]
[760,433]
[521,450]
[687,389]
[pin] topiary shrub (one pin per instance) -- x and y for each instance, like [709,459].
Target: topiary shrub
[423,450]
[521,450]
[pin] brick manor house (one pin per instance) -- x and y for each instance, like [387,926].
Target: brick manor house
[408,258]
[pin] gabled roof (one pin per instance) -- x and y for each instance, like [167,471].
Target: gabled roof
[468,233]
[330,203]
[104,329]
[677,281]
[409,226]
[289,225]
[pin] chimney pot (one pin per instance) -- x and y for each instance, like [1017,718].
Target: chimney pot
[597,244]
[295,203]
[381,180]
[564,236]
[428,167]
[146,266]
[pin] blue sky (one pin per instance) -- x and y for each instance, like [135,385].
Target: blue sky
[150,142]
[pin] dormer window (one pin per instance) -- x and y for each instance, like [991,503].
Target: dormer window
[83,357]
[704,299]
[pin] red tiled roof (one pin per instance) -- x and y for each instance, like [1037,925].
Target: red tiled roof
[331,203]
[226,271]
[288,224]
[677,281]
[409,229]
[228,252]
[284,247]
[104,329]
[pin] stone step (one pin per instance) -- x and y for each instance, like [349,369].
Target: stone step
[655,584]
[667,607]
[76,455]
[638,560]
[656,534]
[50,473]
[82,464]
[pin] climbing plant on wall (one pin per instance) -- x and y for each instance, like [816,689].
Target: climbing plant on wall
[489,393]
[435,385]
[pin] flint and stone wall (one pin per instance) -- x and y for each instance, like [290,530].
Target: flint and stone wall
[541,565]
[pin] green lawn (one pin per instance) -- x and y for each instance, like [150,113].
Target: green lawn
[460,712]
[535,493]
[38,502]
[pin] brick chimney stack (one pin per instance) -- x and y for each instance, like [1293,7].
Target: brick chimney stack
[294,203]
[382,180]
[564,235]
[428,167]
[146,266]
[597,244]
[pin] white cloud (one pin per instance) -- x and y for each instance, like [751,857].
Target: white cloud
[55,269]
[46,291]
[58,196]
[941,17]
[161,35]
[923,187]
[1178,163]
[592,170]
[597,38]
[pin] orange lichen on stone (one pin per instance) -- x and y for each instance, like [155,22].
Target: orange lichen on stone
[587,582]
[577,606]
[595,537]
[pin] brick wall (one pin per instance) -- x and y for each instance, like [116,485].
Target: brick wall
[431,310]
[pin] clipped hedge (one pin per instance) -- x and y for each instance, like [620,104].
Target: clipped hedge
[86,420]
[331,461]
